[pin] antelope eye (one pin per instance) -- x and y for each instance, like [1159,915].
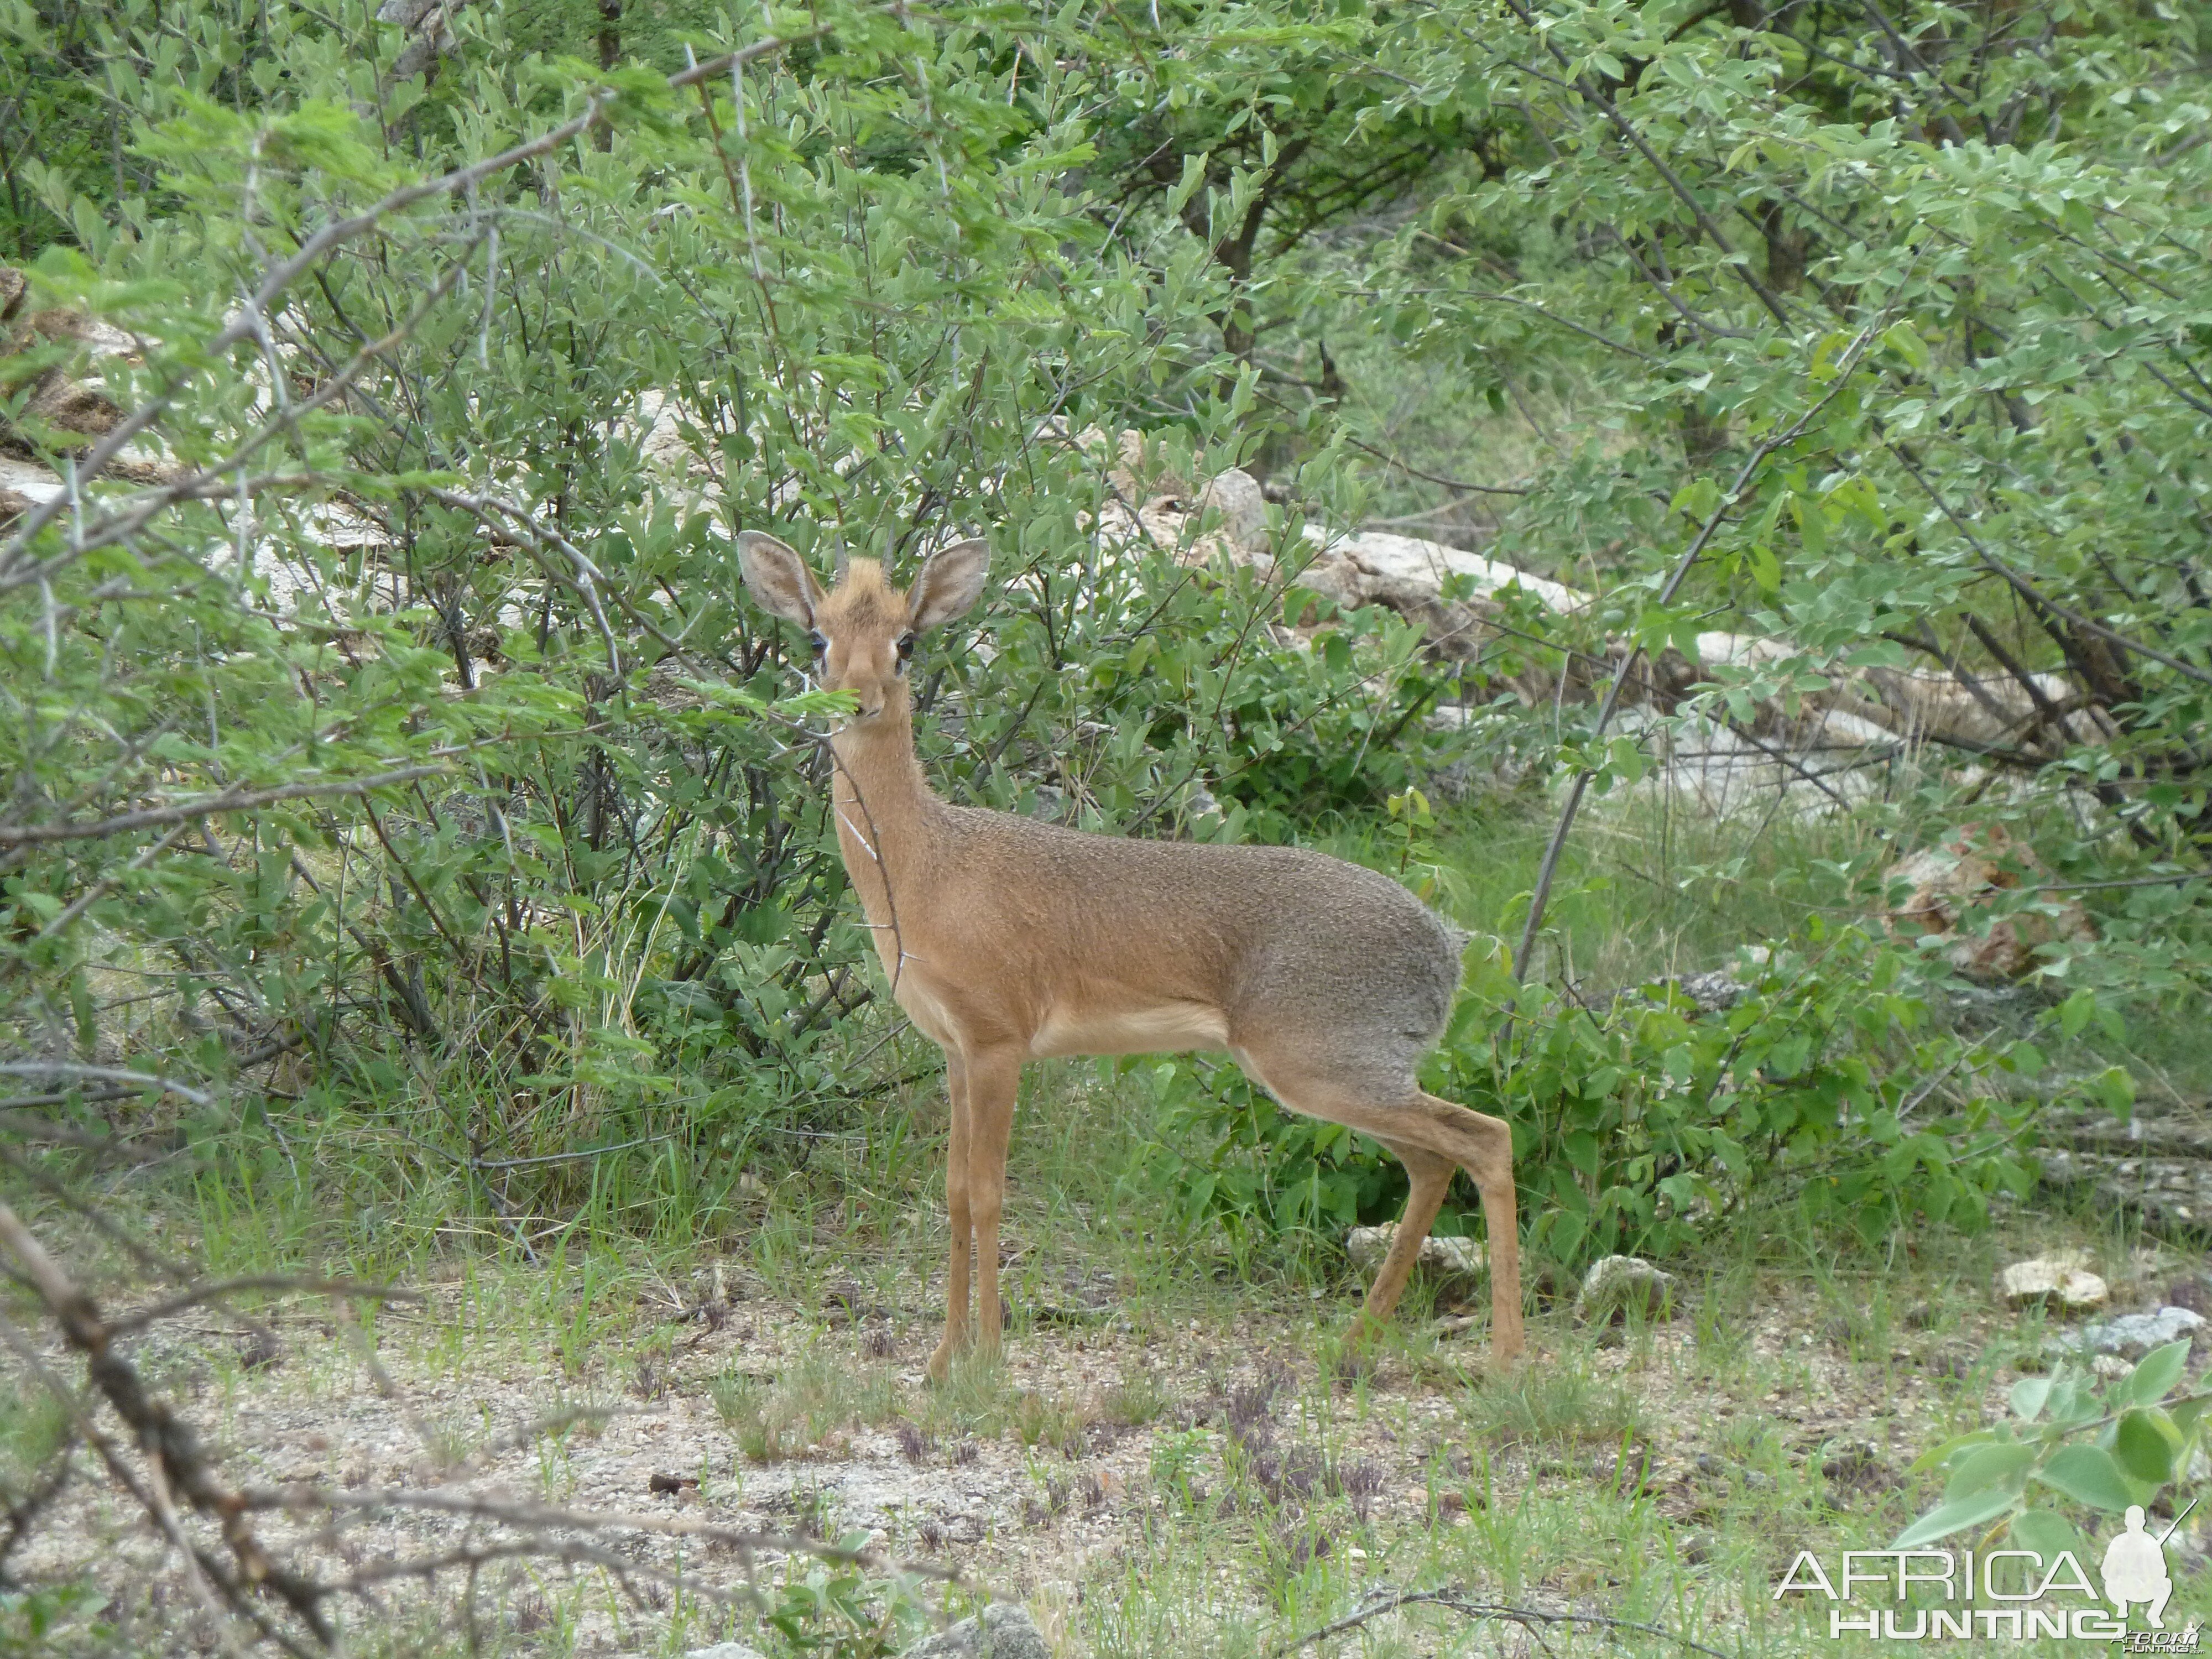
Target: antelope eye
[905,647]
[821,646]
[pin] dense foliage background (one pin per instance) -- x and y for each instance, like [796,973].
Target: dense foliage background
[389,754]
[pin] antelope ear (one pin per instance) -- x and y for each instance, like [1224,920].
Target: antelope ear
[779,577]
[950,583]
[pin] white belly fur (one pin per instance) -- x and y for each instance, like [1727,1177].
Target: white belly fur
[1164,1027]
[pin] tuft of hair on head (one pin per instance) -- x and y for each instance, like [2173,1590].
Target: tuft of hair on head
[864,597]
[862,576]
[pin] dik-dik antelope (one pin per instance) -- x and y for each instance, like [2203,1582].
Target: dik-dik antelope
[1007,940]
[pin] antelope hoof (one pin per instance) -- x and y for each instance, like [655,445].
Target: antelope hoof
[1371,1321]
[940,1362]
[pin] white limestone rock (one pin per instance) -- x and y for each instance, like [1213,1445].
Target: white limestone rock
[1367,1246]
[1619,1283]
[2061,1281]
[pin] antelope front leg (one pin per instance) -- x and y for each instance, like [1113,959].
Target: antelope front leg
[1431,1174]
[993,1080]
[956,1211]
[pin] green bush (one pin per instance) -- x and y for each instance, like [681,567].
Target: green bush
[396,702]
[508,776]
[2068,1445]
[1641,1124]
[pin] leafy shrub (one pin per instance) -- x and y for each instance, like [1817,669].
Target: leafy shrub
[1640,1125]
[836,1608]
[549,831]
[545,817]
[2069,1442]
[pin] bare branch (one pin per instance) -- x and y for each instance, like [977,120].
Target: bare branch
[2027,589]
[231,800]
[171,1448]
[1385,1600]
[197,1294]
[1549,869]
[520,1512]
[336,235]
[103,1074]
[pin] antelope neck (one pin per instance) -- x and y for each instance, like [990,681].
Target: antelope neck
[885,808]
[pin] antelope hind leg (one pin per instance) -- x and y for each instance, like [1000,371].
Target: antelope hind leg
[1484,1148]
[1319,1085]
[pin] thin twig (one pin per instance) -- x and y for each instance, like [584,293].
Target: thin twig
[97,890]
[521,1512]
[215,1291]
[1458,1601]
[2027,589]
[2103,886]
[1549,868]
[565,1158]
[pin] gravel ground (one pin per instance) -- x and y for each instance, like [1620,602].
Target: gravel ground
[1383,1462]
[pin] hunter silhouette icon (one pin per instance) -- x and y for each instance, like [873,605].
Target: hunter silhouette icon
[2135,1571]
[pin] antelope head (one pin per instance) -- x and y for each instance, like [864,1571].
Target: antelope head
[862,629]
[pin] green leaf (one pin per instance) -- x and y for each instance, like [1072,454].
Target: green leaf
[2144,1445]
[1812,523]
[1695,499]
[1947,1518]
[2087,1474]
[2116,1086]
[2074,1013]
[2073,1403]
[2028,1395]
[2154,1375]
[2004,1464]
[1765,569]
[1194,175]
[1582,1150]
[1937,1456]
[2047,1534]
